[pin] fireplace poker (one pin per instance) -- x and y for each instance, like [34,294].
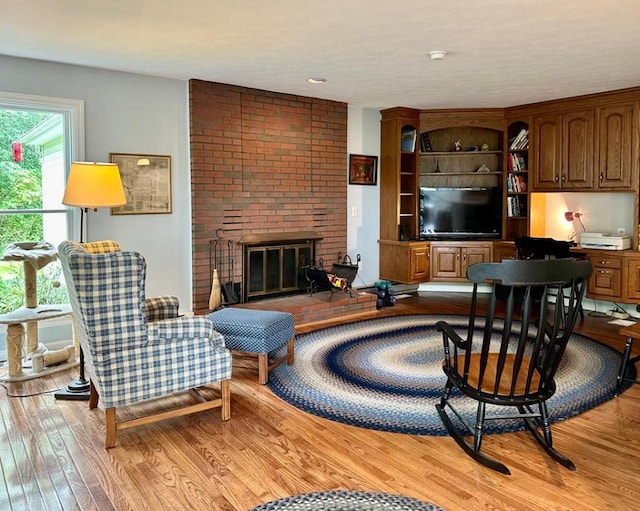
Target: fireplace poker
[219,244]
[231,293]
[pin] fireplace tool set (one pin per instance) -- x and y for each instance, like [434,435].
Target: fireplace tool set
[219,264]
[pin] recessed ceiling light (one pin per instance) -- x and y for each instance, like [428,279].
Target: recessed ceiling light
[316,80]
[437,54]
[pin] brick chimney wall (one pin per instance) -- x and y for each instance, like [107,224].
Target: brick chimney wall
[263,162]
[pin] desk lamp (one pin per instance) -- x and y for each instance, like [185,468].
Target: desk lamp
[90,185]
[570,216]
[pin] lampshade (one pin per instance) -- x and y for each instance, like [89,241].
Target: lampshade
[570,216]
[94,185]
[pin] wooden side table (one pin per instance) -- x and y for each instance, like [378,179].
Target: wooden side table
[631,332]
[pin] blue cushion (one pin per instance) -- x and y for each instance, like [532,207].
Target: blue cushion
[253,331]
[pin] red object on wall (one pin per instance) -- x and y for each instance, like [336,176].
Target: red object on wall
[17,152]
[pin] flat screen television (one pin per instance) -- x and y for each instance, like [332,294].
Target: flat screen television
[459,213]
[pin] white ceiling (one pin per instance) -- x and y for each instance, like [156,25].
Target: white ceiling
[372,52]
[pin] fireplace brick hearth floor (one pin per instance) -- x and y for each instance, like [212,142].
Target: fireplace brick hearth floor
[312,311]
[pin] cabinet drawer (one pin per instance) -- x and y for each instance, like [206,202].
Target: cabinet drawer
[605,282]
[604,261]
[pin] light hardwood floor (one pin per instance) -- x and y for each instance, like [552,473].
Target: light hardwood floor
[52,454]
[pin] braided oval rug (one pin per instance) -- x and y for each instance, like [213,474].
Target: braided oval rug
[343,500]
[386,374]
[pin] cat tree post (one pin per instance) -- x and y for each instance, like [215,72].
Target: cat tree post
[31,302]
[23,321]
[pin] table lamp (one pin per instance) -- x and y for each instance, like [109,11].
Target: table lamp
[90,185]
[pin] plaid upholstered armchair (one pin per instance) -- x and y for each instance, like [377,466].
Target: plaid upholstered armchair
[137,349]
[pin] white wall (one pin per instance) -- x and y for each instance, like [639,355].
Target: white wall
[128,113]
[601,212]
[363,229]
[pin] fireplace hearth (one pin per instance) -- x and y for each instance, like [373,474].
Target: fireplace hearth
[273,263]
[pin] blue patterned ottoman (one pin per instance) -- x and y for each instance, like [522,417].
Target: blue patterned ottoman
[249,332]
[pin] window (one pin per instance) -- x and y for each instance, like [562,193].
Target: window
[39,138]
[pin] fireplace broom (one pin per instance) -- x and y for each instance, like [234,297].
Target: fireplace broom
[215,298]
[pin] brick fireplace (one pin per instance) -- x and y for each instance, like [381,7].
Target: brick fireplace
[263,163]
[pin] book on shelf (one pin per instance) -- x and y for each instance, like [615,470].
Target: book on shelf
[425,143]
[517,163]
[514,164]
[516,183]
[520,141]
[408,140]
[516,206]
[522,183]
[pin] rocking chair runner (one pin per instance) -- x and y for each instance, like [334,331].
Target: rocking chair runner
[517,368]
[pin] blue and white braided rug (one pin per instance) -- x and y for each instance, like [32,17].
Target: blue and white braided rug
[343,500]
[386,374]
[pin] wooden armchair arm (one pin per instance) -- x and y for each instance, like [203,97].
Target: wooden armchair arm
[450,336]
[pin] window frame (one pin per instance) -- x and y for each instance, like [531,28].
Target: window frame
[72,111]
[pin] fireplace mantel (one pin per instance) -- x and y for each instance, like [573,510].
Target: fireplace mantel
[266,238]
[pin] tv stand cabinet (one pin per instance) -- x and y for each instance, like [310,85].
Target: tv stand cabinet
[433,161]
[404,261]
[450,259]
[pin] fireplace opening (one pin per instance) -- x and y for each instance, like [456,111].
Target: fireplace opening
[273,263]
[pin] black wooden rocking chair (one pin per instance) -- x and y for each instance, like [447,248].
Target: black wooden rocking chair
[517,367]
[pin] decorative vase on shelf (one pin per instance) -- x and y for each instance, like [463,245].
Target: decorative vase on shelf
[437,168]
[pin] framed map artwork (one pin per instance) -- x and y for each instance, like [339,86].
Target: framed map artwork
[146,180]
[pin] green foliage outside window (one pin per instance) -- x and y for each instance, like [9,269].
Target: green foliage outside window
[21,188]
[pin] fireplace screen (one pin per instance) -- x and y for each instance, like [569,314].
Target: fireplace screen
[275,269]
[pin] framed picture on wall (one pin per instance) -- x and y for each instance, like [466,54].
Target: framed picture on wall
[146,179]
[363,170]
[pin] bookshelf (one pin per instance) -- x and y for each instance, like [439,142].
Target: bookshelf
[516,188]
[399,175]
[477,163]
[403,258]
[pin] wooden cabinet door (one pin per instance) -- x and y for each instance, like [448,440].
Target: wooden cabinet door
[614,148]
[606,280]
[577,150]
[445,262]
[563,151]
[472,255]
[504,251]
[420,263]
[547,154]
[632,278]
[407,263]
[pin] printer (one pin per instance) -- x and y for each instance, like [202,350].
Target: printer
[605,241]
